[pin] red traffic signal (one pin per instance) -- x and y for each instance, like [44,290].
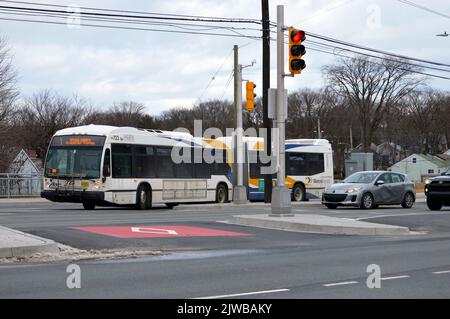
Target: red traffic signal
[296,50]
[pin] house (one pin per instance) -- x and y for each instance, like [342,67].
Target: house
[389,153]
[26,163]
[420,166]
[24,176]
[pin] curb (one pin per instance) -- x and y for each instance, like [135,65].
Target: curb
[319,224]
[36,245]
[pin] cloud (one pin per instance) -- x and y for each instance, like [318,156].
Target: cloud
[164,70]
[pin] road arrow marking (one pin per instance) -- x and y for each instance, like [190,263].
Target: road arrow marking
[148,230]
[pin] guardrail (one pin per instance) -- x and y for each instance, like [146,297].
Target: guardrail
[20,185]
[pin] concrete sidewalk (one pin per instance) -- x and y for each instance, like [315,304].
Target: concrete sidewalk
[22,200]
[14,243]
[318,224]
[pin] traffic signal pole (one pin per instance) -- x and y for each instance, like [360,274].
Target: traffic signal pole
[281,198]
[239,190]
[267,123]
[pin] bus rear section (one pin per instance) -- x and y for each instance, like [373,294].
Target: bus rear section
[309,167]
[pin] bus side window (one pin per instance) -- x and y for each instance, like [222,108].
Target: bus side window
[107,163]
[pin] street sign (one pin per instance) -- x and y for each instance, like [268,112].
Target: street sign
[272,105]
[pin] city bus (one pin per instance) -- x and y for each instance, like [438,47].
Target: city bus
[309,167]
[99,165]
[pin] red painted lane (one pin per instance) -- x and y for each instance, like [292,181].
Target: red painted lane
[157,231]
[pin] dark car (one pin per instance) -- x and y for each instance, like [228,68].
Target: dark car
[437,190]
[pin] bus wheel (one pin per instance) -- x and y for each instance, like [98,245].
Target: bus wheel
[88,205]
[298,193]
[221,194]
[171,205]
[144,197]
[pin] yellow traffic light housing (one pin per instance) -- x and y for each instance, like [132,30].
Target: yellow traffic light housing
[250,89]
[296,50]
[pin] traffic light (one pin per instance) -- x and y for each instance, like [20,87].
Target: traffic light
[250,88]
[296,51]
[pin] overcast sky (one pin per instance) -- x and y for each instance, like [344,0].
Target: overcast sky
[164,70]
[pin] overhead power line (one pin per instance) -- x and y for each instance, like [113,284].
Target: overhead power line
[201,25]
[418,6]
[130,28]
[154,16]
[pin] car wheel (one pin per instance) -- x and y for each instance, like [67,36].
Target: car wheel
[171,205]
[221,194]
[144,197]
[367,201]
[434,204]
[408,200]
[331,206]
[88,205]
[298,193]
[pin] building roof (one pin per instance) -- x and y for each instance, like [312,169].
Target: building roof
[439,162]
[21,158]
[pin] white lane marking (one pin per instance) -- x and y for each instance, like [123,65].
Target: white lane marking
[395,277]
[148,230]
[340,283]
[441,272]
[399,215]
[245,294]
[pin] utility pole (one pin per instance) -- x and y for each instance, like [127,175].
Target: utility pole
[351,139]
[239,190]
[318,129]
[281,197]
[267,123]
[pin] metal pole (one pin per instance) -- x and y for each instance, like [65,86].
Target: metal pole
[267,123]
[281,199]
[318,128]
[236,62]
[351,138]
[239,191]
[239,129]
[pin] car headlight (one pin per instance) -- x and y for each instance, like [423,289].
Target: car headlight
[353,190]
[427,181]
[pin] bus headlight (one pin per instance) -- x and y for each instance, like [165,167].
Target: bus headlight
[97,184]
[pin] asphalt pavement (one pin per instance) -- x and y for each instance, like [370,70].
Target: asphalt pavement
[233,261]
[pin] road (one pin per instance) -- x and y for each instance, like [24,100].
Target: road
[257,263]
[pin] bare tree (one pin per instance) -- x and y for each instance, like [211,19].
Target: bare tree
[8,95]
[44,113]
[371,88]
[425,117]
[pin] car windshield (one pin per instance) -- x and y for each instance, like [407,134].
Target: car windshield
[361,178]
[448,172]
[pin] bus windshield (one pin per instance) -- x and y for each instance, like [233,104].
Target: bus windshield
[74,156]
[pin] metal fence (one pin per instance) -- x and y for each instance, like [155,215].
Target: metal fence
[20,185]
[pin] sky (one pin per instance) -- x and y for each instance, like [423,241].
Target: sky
[165,70]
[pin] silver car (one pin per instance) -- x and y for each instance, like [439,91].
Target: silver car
[371,189]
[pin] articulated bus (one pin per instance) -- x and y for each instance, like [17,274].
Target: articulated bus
[100,165]
[309,167]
